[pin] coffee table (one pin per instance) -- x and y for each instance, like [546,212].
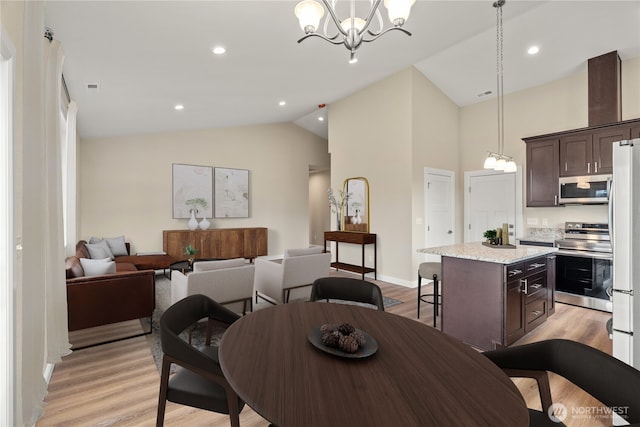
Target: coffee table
[417,376]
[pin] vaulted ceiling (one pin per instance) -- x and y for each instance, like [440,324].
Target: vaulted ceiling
[145,57]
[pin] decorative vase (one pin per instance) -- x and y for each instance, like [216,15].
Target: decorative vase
[204,224]
[338,225]
[356,219]
[193,222]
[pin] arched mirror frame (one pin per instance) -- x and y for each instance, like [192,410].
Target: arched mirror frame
[355,214]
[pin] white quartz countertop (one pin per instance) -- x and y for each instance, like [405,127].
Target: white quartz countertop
[479,252]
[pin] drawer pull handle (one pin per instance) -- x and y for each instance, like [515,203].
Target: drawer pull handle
[514,273]
[524,288]
[536,286]
[536,265]
[536,313]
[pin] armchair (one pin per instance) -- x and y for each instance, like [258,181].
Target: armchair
[274,281]
[228,282]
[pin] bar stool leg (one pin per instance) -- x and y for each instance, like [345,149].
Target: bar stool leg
[436,298]
[419,293]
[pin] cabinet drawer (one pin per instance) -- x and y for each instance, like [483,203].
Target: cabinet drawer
[515,271]
[535,313]
[534,286]
[535,265]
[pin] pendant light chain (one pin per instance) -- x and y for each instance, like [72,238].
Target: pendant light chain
[499,75]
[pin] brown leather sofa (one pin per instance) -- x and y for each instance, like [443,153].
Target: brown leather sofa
[127,294]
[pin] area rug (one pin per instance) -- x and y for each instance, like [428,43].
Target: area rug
[163,301]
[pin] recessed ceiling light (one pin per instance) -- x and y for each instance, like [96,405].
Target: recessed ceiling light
[321,119]
[219,50]
[179,107]
[353,60]
[533,50]
[282,103]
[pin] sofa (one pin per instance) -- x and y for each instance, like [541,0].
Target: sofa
[228,282]
[95,298]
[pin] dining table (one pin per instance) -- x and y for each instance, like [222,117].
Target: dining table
[406,374]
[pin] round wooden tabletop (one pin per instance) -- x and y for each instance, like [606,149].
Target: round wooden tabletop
[418,376]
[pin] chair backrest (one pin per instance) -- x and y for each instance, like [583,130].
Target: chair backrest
[183,314]
[612,382]
[304,269]
[347,289]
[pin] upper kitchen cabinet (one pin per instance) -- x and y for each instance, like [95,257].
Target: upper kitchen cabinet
[580,152]
[542,172]
[590,153]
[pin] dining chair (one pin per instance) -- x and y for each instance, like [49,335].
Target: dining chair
[614,383]
[430,270]
[198,381]
[347,289]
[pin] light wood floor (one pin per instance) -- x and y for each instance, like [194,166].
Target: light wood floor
[117,384]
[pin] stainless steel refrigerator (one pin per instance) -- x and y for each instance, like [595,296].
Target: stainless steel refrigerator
[624,223]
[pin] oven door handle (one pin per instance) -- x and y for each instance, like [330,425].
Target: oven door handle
[585,254]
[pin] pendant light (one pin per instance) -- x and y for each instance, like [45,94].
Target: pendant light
[497,160]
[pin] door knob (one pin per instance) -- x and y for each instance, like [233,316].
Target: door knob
[449,232]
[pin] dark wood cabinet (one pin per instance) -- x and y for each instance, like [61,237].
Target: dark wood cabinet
[576,155]
[223,243]
[514,314]
[579,152]
[542,173]
[551,284]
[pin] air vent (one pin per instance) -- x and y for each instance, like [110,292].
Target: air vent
[485,93]
[93,87]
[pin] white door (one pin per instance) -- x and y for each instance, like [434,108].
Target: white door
[439,201]
[492,198]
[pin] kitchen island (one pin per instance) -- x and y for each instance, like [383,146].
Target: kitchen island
[492,296]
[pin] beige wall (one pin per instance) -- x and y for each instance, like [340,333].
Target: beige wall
[388,133]
[319,217]
[126,182]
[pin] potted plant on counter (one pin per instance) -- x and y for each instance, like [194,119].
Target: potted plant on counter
[491,236]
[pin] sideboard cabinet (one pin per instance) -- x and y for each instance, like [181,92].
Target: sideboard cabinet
[223,243]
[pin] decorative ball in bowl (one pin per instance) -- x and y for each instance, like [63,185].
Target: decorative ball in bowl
[344,340]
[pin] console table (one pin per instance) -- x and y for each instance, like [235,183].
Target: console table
[355,238]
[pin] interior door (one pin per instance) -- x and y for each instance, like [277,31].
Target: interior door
[492,198]
[439,209]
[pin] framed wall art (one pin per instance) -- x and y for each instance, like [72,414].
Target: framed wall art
[192,189]
[231,193]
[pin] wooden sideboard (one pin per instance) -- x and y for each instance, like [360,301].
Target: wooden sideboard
[355,238]
[223,243]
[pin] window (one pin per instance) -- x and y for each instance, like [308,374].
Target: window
[7,248]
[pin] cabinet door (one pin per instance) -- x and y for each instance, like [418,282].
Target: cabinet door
[514,317]
[542,173]
[175,241]
[576,155]
[209,243]
[635,132]
[255,242]
[231,243]
[602,148]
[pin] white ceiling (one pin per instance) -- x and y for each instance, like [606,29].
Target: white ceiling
[148,56]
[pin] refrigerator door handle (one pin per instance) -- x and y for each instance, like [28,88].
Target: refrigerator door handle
[624,291]
[623,332]
[610,211]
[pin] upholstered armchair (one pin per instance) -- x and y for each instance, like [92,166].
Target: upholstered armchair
[228,282]
[279,281]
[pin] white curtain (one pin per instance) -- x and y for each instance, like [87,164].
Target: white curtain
[53,233]
[41,308]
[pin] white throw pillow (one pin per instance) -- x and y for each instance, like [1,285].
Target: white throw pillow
[303,251]
[99,250]
[117,246]
[95,240]
[217,265]
[96,267]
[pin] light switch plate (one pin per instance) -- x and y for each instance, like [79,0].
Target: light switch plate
[532,221]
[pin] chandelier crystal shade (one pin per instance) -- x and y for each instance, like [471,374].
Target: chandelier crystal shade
[351,31]
[498,161]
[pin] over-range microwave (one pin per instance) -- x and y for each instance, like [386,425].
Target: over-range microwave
[588,189]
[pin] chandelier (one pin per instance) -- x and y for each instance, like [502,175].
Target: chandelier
[497,160]
[351,31]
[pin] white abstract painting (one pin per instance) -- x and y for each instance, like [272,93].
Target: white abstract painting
[192,182]
[231,193]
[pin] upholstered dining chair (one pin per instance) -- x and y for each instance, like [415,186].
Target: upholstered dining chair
[614,383]
[347,289]
[198,381]
[430,270]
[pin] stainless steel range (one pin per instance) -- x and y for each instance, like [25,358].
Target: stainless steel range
[584,266]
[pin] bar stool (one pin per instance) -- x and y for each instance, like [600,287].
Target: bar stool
[430,270]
